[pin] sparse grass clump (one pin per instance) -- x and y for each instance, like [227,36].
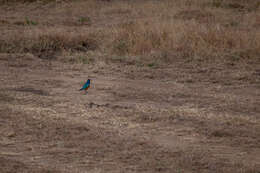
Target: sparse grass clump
[30,22]
[80,59]
[84,20]
[25,1]
[39,42]
[248,5]
[137,38]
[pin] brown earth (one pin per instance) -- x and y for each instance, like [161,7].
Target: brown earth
[182,120]
[183,116]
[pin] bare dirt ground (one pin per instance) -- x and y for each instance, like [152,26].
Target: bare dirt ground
[181,120]
[183,117]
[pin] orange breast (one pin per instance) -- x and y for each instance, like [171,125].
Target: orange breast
[87,88]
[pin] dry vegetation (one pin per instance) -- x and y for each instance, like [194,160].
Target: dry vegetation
[193,29]
[176,86]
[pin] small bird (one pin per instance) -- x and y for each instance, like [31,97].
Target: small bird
[86,86]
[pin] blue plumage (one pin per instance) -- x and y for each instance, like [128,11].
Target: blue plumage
[86,85]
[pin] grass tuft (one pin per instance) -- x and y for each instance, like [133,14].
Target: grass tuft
[47,42]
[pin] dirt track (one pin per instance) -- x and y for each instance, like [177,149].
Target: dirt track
[177,118]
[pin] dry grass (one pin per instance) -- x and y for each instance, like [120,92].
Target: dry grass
[46,42]
[171,102]
[196,30]
[25,1]
[188,39]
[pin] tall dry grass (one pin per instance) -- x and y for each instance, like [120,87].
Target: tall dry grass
[189,39]
[39,41]
[192,29]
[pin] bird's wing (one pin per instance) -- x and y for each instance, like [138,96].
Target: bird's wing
[85,85]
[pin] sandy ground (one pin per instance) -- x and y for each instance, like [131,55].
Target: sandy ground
[175,118]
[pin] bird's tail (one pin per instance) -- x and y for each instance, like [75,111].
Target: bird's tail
[81,89]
